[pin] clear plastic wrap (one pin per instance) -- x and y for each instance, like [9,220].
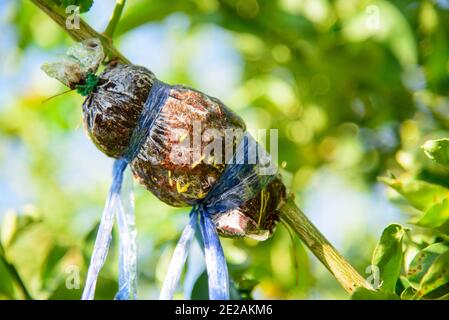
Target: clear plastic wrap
[80,60]
[165,133]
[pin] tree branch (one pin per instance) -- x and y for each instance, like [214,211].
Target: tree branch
[290,213]
[83,32]
[348,277]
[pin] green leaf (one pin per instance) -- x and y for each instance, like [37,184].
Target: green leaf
[445,297]
[49,272]
[422,261]
[420,194]
[388,256]
[365,294]
[13,225]
[435,216]
[437,150]
[408,293]
[397,34]
[246,287]
[437,275]
[105,290]
[6,281]
[200,290]
[84,5]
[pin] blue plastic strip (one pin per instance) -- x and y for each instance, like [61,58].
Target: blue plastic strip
[178,259]
[104,232]
[157,97]
[127,271]
[217,270]
[127,280]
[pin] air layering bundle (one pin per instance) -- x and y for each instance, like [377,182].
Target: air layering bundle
[150,126]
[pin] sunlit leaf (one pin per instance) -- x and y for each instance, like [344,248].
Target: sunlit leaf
[438,150]
[422,261]
[388,256]
[436,276]
[384,22]
[435,216]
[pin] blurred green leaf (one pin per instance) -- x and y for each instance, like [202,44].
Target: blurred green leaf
[435,216]
[384,22]
[388,256]
[245,288]
[365,294]
[105,290]
[200,290]
[13,225]
[437,150]
[419,194]
[6,281]
[49,272]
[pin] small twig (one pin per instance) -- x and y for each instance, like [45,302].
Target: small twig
[115,18]
[348,277]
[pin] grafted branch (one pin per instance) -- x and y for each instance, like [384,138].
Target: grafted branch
[290,213]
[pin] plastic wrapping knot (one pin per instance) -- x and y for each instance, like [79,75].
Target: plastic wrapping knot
[243,178]
[241,181]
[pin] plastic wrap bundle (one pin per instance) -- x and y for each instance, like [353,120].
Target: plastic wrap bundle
[188,149]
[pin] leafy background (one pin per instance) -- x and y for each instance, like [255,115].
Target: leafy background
[353,102]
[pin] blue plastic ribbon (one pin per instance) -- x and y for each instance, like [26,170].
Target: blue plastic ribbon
[118,203]
[217,270]
[127,278]
[179,258]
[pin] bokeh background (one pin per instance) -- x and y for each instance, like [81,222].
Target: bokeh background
[354,87]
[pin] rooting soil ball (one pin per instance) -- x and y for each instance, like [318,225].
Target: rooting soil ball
[167,163]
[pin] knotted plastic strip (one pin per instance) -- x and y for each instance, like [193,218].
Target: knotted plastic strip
[120,202]
[241,180]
